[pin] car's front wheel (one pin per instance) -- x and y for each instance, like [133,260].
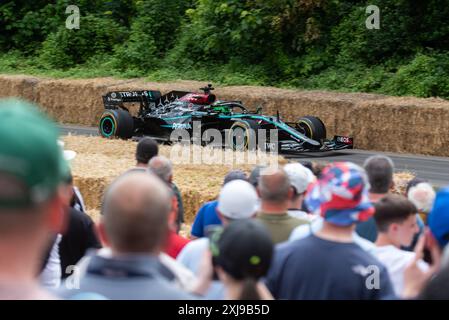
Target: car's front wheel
[243,136]
[312,127]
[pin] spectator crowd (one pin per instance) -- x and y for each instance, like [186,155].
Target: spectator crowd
[298,232]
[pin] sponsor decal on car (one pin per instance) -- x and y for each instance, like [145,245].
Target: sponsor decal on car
[181,126]
[342,139]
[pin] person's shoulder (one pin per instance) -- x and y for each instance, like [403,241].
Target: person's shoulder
[289,251]
[300,232]
[393,252]
[192,247]
[302,215]
[297,221]
[79,215]
[178,269]
[304,230]
[208,205]
[198,243]
[287,247]
[367,258]
[136,169]
[208,209]
[179,241]
[80,218]
[351,250]
[211,204]
[168,291]
[284,247]
[296,213]
[405,257]
[365,244]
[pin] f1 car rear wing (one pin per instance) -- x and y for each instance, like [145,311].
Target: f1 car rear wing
[148,99]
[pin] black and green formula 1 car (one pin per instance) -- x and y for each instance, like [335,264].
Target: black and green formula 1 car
[180,116]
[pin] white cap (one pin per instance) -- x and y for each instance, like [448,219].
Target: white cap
[69,155]
[310,175]
[299,176]
[238,200]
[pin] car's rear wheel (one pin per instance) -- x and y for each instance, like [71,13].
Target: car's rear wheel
[116,123]
[243,135]
[312,127]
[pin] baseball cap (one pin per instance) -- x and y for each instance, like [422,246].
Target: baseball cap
[250,256]
[238,200]
[340,195]
[235,175]
[298,176]
[438,219]
[30,157]
[146,149]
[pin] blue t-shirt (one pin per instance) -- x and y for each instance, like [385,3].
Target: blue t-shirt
[317,269]
[206,216]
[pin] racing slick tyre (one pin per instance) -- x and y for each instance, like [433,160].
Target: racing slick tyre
[312,127]
[116,123]
[243,135]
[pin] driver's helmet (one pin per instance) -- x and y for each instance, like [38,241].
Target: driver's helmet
[221,108]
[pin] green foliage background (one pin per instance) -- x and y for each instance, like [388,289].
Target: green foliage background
[312,44]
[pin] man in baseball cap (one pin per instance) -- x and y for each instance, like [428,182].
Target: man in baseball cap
[237,201]
[300,178]
[207,216]
[32,203]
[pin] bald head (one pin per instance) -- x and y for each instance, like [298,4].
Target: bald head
[135,213]
[274,186]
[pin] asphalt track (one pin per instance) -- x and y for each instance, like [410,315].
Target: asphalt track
[433,169]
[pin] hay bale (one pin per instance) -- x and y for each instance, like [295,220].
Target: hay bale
[377,122]
[73,101]
[401,180]
[19,86]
